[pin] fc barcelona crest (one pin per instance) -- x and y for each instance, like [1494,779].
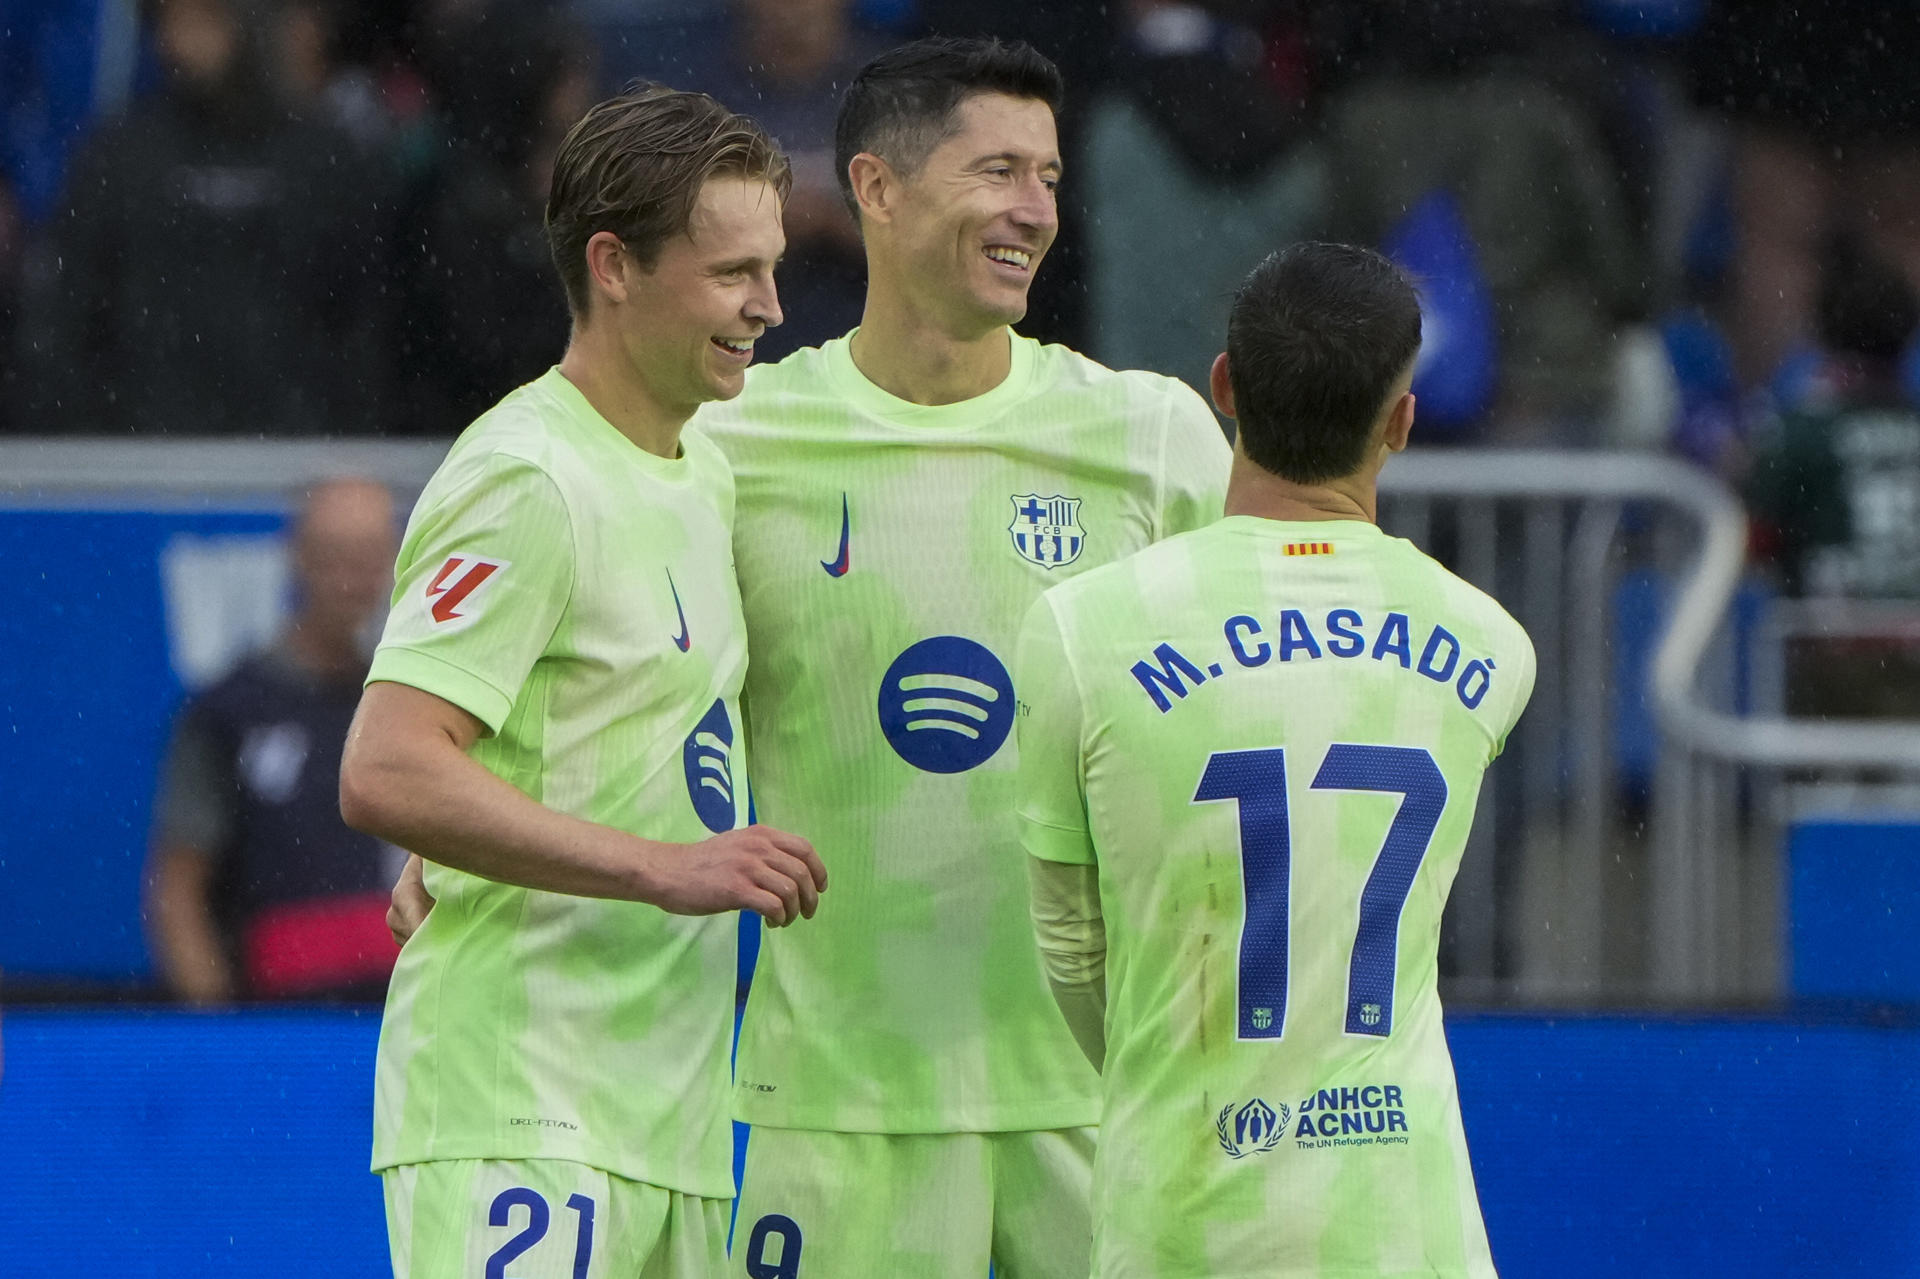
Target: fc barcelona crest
[1046,530]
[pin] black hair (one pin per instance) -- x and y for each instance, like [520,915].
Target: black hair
[1318,335]
[902,104]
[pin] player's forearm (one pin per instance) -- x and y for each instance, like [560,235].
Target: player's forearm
[1072,937]
[432,798]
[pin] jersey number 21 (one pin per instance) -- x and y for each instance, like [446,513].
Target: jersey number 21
[1257,779]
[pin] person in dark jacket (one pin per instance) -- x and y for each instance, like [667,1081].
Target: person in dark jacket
[479,311]
[217,268]
[256,888]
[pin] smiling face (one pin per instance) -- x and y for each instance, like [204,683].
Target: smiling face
[688,325]
[972,222]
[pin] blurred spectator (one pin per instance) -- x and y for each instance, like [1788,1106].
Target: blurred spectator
[481,313]
[785,64]
[1193,172]
[1451,140]
[11,238]
[316,78]
[217,269]
[257,889]
[1827,138]
[1835,491]
[62,64]
[1835,487]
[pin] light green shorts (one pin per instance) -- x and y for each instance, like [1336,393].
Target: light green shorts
[546,1219]
[831,1205]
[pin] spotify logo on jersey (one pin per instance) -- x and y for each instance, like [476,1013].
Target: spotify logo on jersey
[708,759]
[946,704]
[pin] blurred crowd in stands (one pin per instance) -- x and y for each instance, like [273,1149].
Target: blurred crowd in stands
[1686,225]
[1682,226]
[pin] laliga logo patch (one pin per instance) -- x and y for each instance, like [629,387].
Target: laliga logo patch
[946,704]
[707,758]
[458,583]
[1046,530]
[1254,1130]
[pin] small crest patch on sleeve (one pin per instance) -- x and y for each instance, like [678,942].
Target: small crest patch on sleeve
[1309,548]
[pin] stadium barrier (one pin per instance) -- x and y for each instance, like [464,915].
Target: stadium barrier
[155,1144]
[1628,847]
[1624,884]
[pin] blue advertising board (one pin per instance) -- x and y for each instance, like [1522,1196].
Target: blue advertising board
[1853,918]
[108,614]
[158,1144]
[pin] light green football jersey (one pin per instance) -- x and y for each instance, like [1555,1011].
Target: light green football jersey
[888,552]
[1270,738]
[576,594]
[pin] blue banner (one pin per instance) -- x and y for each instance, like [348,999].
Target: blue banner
[163,1144]
[108,615]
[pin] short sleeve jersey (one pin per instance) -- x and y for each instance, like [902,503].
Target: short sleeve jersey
[1269,737]
[576,594]
[887,554]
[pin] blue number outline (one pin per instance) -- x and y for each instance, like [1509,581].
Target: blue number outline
[790,1242]
[583,1238]
[1409,772]
[501,1213]
[1256,780]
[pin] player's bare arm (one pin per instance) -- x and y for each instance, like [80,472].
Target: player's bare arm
[407,777]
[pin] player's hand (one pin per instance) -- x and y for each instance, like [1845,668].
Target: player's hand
[411,901]
[776,875]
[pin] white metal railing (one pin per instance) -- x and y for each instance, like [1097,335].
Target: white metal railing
[1712,856]
[1567,895]
[61,471]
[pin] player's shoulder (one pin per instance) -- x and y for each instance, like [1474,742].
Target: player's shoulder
[701,450]
[516,434]
[1464,599]
[767,401]
[1133,580]
[1061,369]
[505,466]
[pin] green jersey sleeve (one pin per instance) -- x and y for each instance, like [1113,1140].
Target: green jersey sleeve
[1050,800]
[1193,465]
[482,581]
[1521,687]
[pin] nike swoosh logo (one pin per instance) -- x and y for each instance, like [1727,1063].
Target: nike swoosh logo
[684,639]
[838,567]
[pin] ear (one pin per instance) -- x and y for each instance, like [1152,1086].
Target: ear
[608,266]
[1399,423]
[875,185]
[1220,383]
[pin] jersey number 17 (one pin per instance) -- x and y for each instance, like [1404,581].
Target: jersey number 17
[1257,780]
